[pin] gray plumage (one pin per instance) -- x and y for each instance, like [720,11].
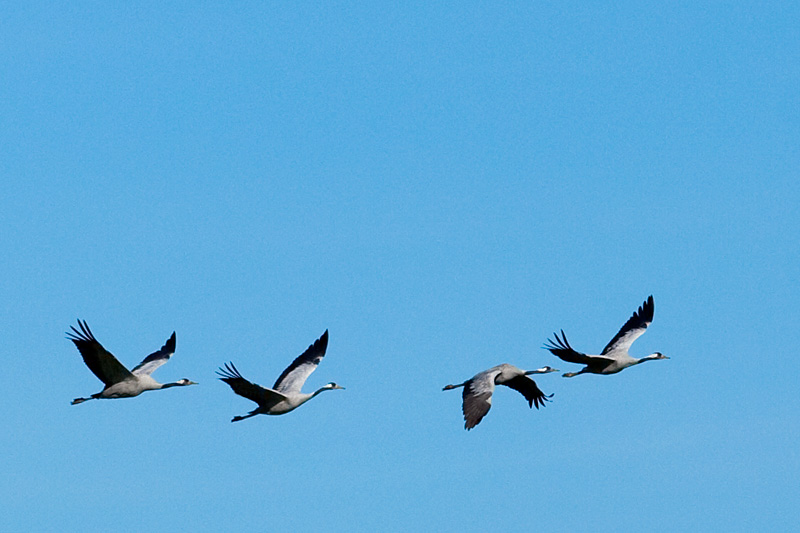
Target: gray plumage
[478,390]
[119,381]
[615,356]
[285,395]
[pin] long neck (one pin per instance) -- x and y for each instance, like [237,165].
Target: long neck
[303,398]
[651,357]
[538,371]
[319,390]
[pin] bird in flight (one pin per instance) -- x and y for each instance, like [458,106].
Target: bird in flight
[285,395]
[615,356]
[477,394]
[119,381]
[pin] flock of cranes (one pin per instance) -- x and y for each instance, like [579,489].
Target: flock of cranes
[286,394]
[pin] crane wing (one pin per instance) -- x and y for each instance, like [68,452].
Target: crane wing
[261,395]
[528,388]
[292,379]
[155,359]
[562,349]
[477,398]
[100,361]
[633,328]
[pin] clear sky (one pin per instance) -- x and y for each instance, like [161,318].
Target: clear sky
[442,187]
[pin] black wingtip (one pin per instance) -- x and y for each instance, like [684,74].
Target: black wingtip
[539,401]
[170,344]
[560,343]
[84,335]
[647,309]
[228,372]
[320,344]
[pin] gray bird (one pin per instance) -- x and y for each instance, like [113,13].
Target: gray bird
[477,394]
[119,381]
[615,356]
[285,395]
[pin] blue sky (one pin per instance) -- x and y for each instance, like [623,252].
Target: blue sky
[440,186]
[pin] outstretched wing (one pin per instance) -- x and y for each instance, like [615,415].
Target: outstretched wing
[528,388]
[561,349]
[156,359]
[262,396]
[100,361]
[292,379]
[633,328]
[477,398]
